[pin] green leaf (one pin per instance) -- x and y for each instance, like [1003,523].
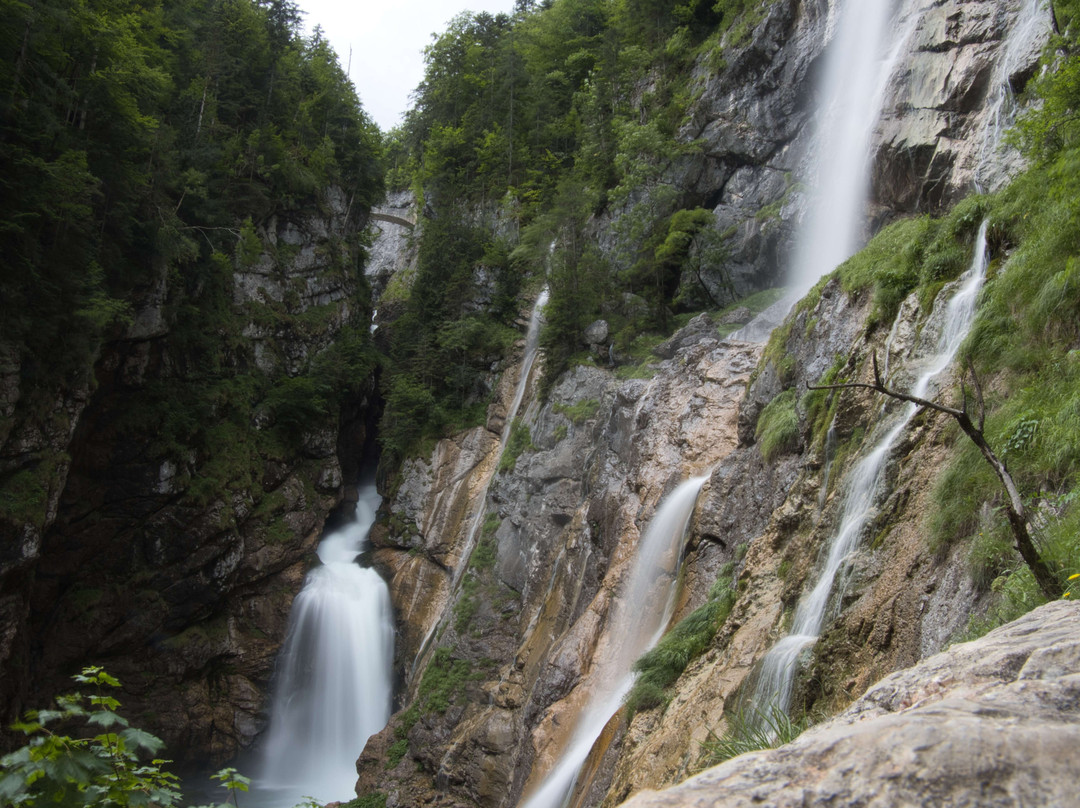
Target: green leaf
[140,739]
[107,719]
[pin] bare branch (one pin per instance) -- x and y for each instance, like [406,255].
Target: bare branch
[1014,507]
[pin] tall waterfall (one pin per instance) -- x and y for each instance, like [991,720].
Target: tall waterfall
[641,613]
[777,672]
[852,89]
[334,683]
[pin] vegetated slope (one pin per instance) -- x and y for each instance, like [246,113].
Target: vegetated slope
[937,561]
[184,328]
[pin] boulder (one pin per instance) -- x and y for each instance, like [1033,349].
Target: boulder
[990,722]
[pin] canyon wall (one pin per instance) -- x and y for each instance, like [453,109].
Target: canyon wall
[182,510]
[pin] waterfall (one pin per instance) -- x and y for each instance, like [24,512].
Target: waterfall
[777,671]
[640,614]
[1028,33]
[532,350]
[334,685]
[853,90]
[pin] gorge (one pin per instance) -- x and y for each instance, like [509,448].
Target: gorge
[606,494]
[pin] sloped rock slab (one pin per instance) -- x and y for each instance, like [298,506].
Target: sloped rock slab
[995,722]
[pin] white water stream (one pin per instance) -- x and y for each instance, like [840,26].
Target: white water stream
[641,613]
[334,682]
[853,86]
[777,672]
[853,90]
[1029,32]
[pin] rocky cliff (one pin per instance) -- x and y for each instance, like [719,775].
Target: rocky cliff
[499,648]
[188,483]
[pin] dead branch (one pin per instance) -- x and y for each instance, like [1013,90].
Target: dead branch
[1014,507]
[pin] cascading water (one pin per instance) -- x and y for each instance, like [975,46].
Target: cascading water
[641,613]
[777,670]
[334,683]
[1026,36]
[838,174]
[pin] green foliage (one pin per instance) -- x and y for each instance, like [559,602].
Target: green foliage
[750,729]
[659,668]
[440,347]
[540,114]
[778,425]
[580,411]
[376,799]
[142,138]
[105,764]
[520,440]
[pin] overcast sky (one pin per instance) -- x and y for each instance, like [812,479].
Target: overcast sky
[387,39]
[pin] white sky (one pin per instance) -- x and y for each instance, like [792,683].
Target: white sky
[387,39]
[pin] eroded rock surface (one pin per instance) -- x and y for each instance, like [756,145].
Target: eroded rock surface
[991,722]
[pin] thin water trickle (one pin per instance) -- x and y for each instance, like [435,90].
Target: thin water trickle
[641,613]
[777,670]
[1028,33]
[532,350]
[333,685]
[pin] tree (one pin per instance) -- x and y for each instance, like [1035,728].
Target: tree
[1014,506]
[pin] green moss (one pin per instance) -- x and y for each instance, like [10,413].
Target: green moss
[24,494]
[580,411]
[778,426]
[520,441]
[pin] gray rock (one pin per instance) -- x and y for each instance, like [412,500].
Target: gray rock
[596,333]
[991,722]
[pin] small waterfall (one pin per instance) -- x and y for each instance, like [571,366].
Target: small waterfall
[532,349]
[1026,36]
[641,613]
[777,671]
[334,682]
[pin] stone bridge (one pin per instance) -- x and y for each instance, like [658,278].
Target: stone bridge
[385,215]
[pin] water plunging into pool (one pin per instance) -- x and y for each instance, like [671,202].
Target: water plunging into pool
[333,684]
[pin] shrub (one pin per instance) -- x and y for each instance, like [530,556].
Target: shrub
[105,765]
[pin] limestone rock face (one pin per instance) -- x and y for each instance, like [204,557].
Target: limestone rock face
[557,539]
[946,99]
[991,722]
